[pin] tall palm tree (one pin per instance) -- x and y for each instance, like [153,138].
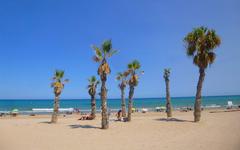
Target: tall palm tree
[168,101]
[200,45]
[58,85]
[133,70]
[93,83]
[122,77]
[101,56]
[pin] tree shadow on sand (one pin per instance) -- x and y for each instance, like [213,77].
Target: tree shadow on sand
[173,120]
[75,126]
[46,122]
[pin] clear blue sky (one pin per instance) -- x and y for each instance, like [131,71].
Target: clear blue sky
[37,37]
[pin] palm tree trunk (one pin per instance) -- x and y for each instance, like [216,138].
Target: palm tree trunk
[105,123]
[55,110]
[168,102]
[93,106]
[131,92]
[123,102]
[197,105]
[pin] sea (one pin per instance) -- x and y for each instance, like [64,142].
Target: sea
[28,106]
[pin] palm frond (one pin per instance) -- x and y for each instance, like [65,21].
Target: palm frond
[93,82]
[200,44]
[107,46]
[92,79]
[136,64]
[196,60]
[211,57]
[126,73]
[130,66]
[111,53]
[119,76]
[191,49]
[59,74]
[97,59]
[166,73]
[97,50]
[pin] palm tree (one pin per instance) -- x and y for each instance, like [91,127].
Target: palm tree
[93,82]
[200,45]
[122,77]
[101,56]
[168,102]
[133,70]
[58,85]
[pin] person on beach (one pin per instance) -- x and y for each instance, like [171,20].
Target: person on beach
[119,115]
[86,117]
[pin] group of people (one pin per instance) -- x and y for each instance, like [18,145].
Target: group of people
[86,117]
[90,117]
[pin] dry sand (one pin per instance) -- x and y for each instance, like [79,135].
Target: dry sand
[151,131]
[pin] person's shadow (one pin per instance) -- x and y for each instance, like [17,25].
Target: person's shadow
[46,122]
[172,120]
[75,126]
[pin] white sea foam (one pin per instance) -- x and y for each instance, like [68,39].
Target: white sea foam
[213,106]
[51,109]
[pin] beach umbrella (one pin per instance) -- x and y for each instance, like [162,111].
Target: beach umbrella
[14,111]
[144,110]
[162,107]
[133,109]
[157,108]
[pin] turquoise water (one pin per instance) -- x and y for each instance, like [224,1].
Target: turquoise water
[84,104]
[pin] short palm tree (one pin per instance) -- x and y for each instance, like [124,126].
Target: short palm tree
[133,70]
[101,56]
[200,44]
[58,85]
[168,99]
[93,83]
[122,77]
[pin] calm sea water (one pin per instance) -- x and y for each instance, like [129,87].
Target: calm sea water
[84,104]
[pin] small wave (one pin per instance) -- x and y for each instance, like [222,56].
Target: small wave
[51,109]
[213,106]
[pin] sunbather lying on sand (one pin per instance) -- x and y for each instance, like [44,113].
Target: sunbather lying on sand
[86,117]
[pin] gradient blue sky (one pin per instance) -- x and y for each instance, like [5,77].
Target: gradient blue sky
[37,37]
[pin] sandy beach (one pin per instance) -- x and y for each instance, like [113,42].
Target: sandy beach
[216,131]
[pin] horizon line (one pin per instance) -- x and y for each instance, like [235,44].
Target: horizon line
[112,98]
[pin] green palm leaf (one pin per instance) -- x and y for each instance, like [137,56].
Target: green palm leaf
[200,44]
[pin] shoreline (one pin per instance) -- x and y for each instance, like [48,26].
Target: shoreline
[179,103]
[46,111]
[113,113]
